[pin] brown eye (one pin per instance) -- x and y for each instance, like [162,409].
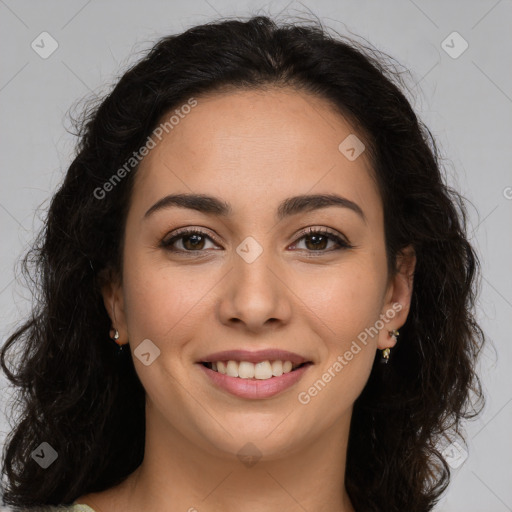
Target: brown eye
[194,240]
[191,240]
[318,240]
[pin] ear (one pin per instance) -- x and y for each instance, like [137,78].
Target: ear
[397,302]
[113,299]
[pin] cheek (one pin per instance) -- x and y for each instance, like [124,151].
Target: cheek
[347,298]
[343,309]
[344,306]
[159,300]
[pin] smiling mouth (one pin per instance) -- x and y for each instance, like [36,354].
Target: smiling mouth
[263,370]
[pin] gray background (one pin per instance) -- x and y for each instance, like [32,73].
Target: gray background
[466,101]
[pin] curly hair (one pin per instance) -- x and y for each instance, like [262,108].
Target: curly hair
[77,395]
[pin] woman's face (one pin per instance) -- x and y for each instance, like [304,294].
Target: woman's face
[253,280]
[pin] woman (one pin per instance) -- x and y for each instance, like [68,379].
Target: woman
[258,220]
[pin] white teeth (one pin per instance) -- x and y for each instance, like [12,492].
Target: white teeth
[245,370]
[232,369]
[277,368]
[263,370]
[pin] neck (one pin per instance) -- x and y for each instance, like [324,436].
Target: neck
[177,474]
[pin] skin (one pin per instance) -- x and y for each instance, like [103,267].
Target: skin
[252,149]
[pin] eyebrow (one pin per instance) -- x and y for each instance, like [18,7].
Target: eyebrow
[211,205]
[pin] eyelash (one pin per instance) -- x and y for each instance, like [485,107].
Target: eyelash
[167,244]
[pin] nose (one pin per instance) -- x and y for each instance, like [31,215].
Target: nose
[255,295]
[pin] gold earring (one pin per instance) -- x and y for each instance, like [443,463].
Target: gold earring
[387,351]
[114,334]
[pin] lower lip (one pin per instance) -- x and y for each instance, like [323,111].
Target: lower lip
[255,388]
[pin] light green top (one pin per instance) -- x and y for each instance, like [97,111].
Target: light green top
[80,508]
[75,507]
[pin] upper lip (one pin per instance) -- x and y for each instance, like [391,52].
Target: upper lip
[254,357]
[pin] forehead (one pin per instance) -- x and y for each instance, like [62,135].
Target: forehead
[254,145]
